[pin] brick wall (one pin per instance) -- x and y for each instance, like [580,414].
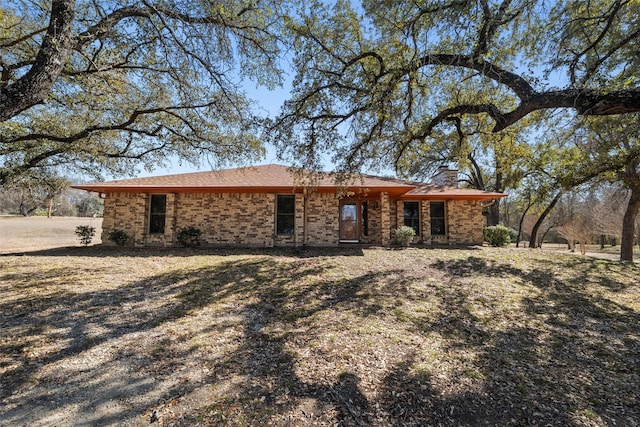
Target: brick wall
[398,220]
[374,235]
[425,222]
[387,219]
[126,212]
[249,219]
[465,222]
[322,219]
[229,219]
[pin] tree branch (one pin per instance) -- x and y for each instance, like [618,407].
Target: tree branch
[584,101]
[35,85]
[23,38]
[123,126]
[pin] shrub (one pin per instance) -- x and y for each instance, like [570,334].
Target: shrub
[497,235]
[85,233]
[189,236]
[404,235]
[118,237]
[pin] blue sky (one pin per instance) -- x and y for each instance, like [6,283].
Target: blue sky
[267,103]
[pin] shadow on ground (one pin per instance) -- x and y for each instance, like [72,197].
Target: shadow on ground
[100,251]
[247,340]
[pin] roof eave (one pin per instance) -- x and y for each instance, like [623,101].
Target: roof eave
[450,196]
[236,189]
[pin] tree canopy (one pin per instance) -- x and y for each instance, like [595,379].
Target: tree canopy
[393,75]
[110,84]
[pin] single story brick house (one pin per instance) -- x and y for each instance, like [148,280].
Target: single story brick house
[267,206]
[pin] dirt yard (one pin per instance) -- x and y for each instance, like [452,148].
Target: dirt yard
[20,234]
[101,336]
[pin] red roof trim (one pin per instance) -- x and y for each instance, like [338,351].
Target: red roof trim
[480,195]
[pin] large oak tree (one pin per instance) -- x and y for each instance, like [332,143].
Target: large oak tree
[109,84]
[375,85]
[387,75]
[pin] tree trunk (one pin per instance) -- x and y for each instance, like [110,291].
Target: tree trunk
[34,87]
[50,208]
[494,209]
[520,225]
[494,214]
[545,233]
[533,241]
[628,225]
[26,210]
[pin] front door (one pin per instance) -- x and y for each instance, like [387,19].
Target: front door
[349,222]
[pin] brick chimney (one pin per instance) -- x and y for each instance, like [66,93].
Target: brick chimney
[446,177]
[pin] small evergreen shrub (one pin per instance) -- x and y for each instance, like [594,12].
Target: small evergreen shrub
[118,237]
[85,233]
[189,236]
[497,235]
[404,235]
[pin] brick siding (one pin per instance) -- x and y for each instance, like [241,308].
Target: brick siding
[465,222]
[248,219]
[323,227]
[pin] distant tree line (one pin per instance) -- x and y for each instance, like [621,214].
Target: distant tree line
[591,214]
[34,195]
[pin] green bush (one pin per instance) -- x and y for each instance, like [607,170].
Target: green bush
[85,233]
[118,237]
[497,235]
[404,235]
[189,236]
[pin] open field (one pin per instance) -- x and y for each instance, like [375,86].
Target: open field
[479,336]
[19,234]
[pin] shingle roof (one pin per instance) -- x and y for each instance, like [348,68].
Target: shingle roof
[439,192]
[276,178]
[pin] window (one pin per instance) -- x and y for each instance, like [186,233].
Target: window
[285,214]
[412,216]
[157,213]
[437,219]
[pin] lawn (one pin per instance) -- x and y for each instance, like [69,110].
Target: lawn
[19,234]
[106,336]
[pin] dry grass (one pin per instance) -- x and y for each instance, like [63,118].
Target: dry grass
[18,234]
[100,336]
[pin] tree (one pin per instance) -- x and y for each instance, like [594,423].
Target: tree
[610,150]
[489,161]
[26,196]
[383,81]
[87,204]
[91,85]
[535,200]
[33,191]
